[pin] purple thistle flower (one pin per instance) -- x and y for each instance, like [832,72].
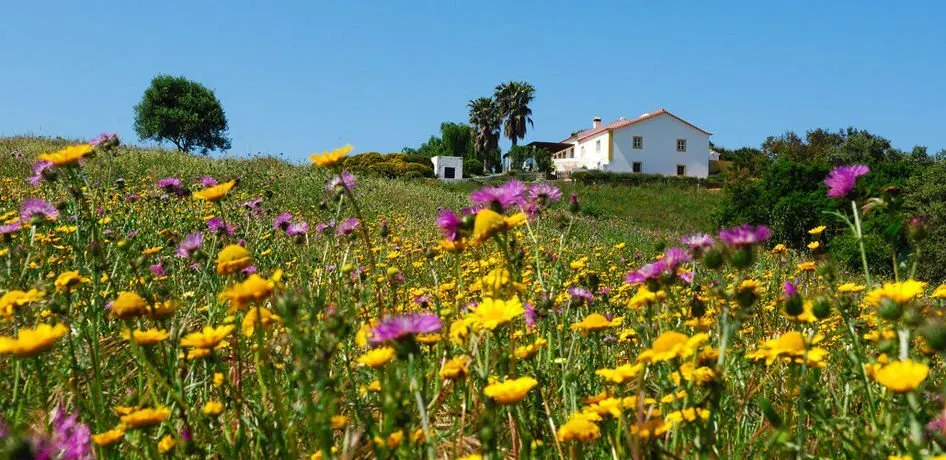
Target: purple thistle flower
[698,241]
[401,327]
[190,245]
[500,198]
[842,179]
[158,269]
[6,229]
[687,277]
[529,315]
[169,183]
[282,221]
[216,225]
[106,139]
[254,206]
[297,229]
[207,181]
[321,227]
[423,299]
[449,223]
[790,290]
[71,439]
[745,235]
[41,170]
[673,257]
[545,193]
[579,293]
[249,270]
[647,272]
[344,180]
[38,208]
[347,227]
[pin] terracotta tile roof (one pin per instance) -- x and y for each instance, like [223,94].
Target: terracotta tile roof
[622,123]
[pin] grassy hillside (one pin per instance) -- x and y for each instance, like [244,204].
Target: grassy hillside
[610,213]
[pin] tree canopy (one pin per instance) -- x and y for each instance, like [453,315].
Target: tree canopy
[182,112]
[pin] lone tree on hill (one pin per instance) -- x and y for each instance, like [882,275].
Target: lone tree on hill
[182,112]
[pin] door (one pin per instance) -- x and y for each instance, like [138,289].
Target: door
[449,172]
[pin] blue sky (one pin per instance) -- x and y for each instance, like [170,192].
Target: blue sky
[299,76]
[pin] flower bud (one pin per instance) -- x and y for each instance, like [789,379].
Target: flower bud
[742,257]
[746,297]
[794,305]
[822,308]
[573,205]
[713,259]
[912,317]
[917,229]
[889,310]
[697,307]
[934,334]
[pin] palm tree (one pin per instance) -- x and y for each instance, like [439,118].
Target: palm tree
[513,101]
[485,121]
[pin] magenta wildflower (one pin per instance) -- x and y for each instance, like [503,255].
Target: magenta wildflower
[645,273]
[321,227]
[345,180]
[254,207]
[190,245]
[157,269]
[282,221]
[207,181]
[347,227]
[449,223]
[38,208]
[70,438]
[698,241]
[423,299]
[579,293]
[401,327]
[530,315]
[790,290]
[745,235]
[687,277]
[502,198]
[217,225]
[41,169]
[297,229]
[105,140]
[842,179]
[545,194]
[6,229]
[249,270]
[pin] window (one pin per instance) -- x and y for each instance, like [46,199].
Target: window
[571,153]
[582,152]
[451,173]
[598,146]
[681,145]
[638,143]
[681,170]
[637,167]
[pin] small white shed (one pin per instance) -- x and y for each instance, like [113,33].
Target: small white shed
[448,168]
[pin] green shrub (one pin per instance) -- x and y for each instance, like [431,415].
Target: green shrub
[603,177]
[473,167]
[926,195]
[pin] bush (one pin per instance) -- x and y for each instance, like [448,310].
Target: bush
[392,165]
[791,198]
[472,167]
[927,197]
[591,176]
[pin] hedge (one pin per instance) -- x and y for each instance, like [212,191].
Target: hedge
[600,177]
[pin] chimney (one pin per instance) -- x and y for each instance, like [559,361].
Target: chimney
[596,123]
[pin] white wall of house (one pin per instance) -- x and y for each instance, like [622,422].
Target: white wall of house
[659,154]
[443,166]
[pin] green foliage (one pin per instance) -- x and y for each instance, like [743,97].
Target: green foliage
[473,167]
[927,196]
[457,139]
[392,165]
[485,121]
[791,198]
[512,103]
[836,148]
[594,176]
[183,112]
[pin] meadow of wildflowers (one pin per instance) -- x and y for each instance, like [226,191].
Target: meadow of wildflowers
[193,315]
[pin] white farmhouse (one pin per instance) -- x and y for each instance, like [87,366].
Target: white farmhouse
[448,168]
[653,143]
